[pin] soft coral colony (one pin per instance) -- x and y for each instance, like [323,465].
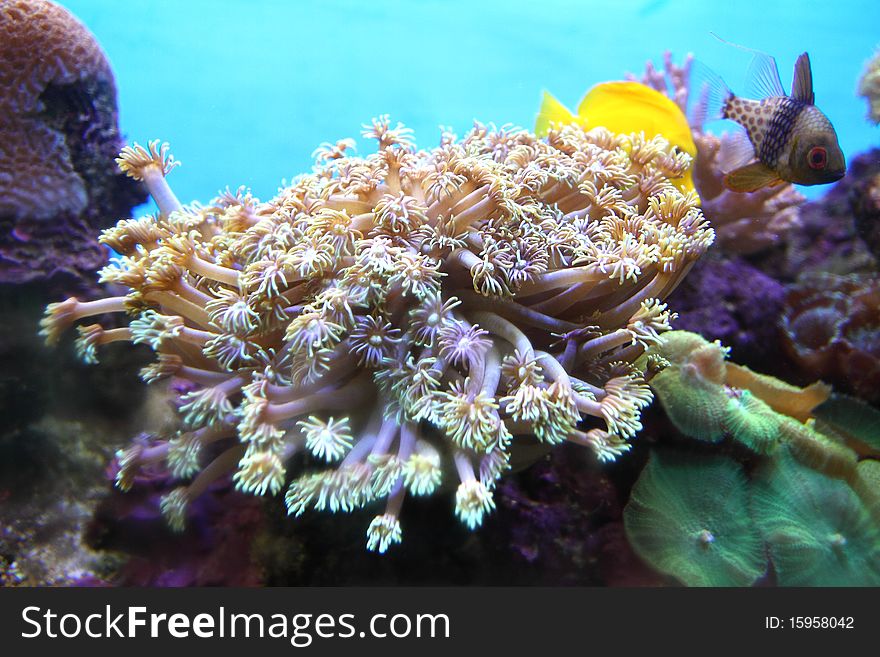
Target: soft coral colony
[391,324]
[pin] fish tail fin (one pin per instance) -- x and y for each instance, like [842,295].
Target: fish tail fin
[551,113]
[709,96]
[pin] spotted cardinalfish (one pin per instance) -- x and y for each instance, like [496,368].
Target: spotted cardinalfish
[786,139]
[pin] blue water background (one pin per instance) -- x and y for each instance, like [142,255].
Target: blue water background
[245,91]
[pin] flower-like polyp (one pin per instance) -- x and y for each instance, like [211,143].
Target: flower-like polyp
[819,532]
[688,516]
[403,316]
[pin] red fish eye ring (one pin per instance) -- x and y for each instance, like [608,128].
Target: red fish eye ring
[817,158]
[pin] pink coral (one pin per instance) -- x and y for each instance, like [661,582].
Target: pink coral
[58,134]
[42,48]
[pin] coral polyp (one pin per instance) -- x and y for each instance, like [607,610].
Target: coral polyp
[403,317]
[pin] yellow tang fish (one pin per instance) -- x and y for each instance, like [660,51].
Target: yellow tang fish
[786,138]
[624,107]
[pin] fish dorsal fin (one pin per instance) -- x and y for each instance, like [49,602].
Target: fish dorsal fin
[762,80]
[552,113]
[751,178]
[802,85]
[736,150]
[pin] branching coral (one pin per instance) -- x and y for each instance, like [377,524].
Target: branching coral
[831,327]
[745,222]
[869,87]
[401,315]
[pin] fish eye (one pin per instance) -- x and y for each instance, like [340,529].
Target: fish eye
[817,158]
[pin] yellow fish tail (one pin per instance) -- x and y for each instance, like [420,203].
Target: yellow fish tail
[552,112]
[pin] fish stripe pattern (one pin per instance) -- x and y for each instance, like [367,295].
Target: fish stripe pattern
[784,116]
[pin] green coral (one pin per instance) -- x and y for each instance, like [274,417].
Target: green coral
[818,530]
[750,421]
[689,517]
[867,486]
[694,405]
[690,386]
[810,504]
[707,398]
[853,419]
[818,451]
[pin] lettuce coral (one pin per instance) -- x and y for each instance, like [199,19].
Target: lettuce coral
[387,320]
